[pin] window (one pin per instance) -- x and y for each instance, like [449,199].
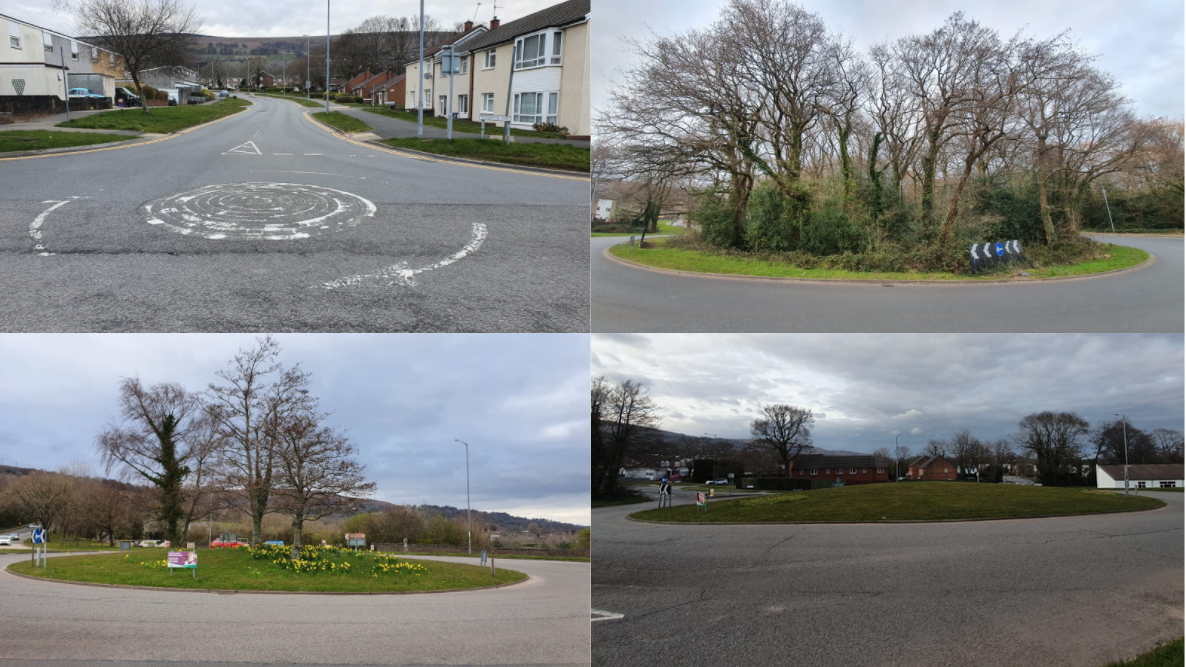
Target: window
[852,471]
[840,471]
[815,471]
[556,39]
[1140,485]
[444,101]
[828,471]
[488,62]
[49,41]
[14,35]
[880,470]
[945,470]
[463,104]
[94,54]
[465,65]
[553,103]
[488,102]
[112,55]
[73,50]
[530,51]
[528,108]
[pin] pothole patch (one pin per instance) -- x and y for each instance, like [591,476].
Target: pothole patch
[252,211]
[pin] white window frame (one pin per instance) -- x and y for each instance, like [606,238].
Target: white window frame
[815,471]
[48,40]
[537,59]
[557,50]
[94,54]
[489,59]
[1141,484]
[444,100]
[463,104]
[550,116]
[465,64]
[14,34]
[487,97]
[880,470]
[852,471]
[1167,485]
[74,50]
[538,102]
[112,55]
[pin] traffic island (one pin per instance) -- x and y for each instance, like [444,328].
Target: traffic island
[906,502]
[268,569]
[667,257]
[159,120]
[544,156]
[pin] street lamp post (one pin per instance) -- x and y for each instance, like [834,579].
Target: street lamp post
[1124,432]
[327,56]
[420,85]
[307,71]
[468,523]
[899,466]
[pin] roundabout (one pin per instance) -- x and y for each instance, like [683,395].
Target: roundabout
[498,626]
[1074,590]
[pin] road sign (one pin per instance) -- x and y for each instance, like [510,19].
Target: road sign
[275,543]
[356,539]
[489,117]
[986,255]
[38,536]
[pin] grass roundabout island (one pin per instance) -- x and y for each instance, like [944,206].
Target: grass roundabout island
[267,568]
[906,501]
[701,260]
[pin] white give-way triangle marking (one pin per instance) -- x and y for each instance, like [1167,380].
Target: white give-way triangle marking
[248,148]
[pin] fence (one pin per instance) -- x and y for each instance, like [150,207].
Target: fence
[448,549]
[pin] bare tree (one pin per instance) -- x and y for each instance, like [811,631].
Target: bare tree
[40,497]
[901,454]
[206,445]
[1169,445]
[1054,440]
[317,473]
[153,444]
[624,410]
[108,509]
[785,429]
[968,450]
[146,33]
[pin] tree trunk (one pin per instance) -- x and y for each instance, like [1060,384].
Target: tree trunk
[140,91]
[257,525]
[954,209]
[1043,201]
[298,523]
[928,175]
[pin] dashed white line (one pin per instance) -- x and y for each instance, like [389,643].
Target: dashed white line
[598,615]
[314,153]
[281,153]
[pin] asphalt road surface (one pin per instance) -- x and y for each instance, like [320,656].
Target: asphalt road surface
[542,621]
[1148,300]
[1075,591]
[265,221]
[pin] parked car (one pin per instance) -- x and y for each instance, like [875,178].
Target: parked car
[130,99]
[153,543]
[227,544]
[5,541]
[83,92]
[717,482]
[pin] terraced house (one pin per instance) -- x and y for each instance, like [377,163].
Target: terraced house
[548,52]
[32,77]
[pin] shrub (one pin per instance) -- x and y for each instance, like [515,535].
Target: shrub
[831,231]
[549,127]
[150,93]
[774,221]
[715,215]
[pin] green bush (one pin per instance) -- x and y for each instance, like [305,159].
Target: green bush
[715,215]
[773,221]
[831,231]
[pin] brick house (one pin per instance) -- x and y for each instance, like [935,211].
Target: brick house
[390,91]
[931,468]
[858,469]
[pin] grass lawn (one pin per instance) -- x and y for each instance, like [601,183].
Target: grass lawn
[159,120]
[460,125]
[552,156]
[690,260]
[575,559]
[237,569]
[342,121]
[33,140]
[911,501]
[299,100]
[664,228]
[1166,655]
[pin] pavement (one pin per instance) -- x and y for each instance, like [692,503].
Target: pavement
[1147,300]
[172,235]
[1074,591]
[542,621]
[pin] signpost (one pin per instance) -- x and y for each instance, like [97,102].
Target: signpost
[356,540]
[40,537]
[187,560]
[492,538]
[490,117]
[987,255]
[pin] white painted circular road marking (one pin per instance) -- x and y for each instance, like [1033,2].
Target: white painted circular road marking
[272,211]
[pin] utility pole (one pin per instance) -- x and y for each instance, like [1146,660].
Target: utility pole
[898,476]
[307,71]
[1124,432]
[468,523]
[327,55]
[420,85]
[65,80]
[1109,207]
[449,106]
[506,125]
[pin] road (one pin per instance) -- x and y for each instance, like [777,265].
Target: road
[1075,591]
[543,621]
[266,221]
[1148,300]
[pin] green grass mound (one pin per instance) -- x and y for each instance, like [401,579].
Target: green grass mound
[459,125]
[268,568]
[35,140]
[665,256]
[159,120]
[342,121]
[1171,654]
[551,156]
[907,501]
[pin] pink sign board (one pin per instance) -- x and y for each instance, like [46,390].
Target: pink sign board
[183,559]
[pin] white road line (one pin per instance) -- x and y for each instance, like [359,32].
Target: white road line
[400,273]
[598,615]
[314,153]
[248,148]
[35,226]
[281,153]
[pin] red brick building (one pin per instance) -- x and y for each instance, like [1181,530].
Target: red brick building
[931,468]
[859,469]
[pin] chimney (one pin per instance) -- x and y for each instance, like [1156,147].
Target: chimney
[469,25]
[494,23]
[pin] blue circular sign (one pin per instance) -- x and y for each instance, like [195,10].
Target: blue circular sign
[1000,249]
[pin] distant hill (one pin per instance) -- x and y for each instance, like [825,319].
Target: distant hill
[660,445]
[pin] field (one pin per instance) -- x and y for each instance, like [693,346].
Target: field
[909,501]
[33,140]
[267,569]
[553,156]
[159,120]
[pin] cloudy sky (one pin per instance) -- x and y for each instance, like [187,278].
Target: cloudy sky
[1139,42]
[520,401]
[287,18]
[865,389]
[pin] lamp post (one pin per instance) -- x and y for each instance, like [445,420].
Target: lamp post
[899,466]
[307,71]
[420,94]
[468,523]
[1124,432]
[327,56]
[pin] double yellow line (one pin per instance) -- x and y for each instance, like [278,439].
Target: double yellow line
[418,156]
[133,145]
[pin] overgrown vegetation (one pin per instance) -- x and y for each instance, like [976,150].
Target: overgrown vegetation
[161,120]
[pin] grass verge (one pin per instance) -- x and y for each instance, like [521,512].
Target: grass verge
[550,156]
[159,120]
[459,125]
[342,121]
[680,259]
[1171,654]
[664,228]
[34,140]
[299,100]
[574,559]
[625,496]
[914,501]
[236,569]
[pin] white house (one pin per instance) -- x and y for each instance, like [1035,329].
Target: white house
[1144,476]
[605,208]
[32,76]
